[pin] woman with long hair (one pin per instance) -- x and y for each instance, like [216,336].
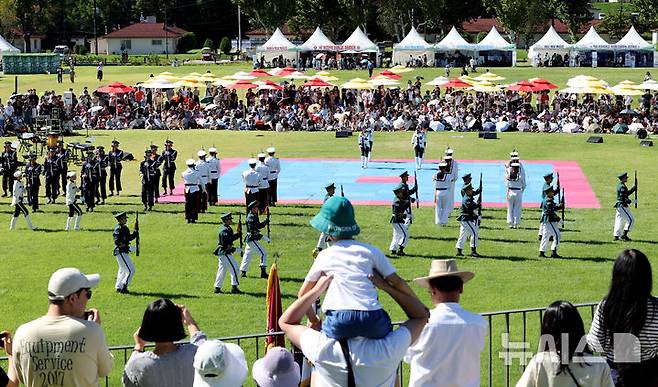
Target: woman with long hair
[564,359]
[625,325]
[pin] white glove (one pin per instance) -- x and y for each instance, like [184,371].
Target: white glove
[266,239]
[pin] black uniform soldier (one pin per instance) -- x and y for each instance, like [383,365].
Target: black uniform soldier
[157,161]
[51,174]
[103,161]
[63,155]
[122,237]
[33,171]
[147,173]
[468,220]
[224,253]
[8,164]
[254,225]
[88,182]
[115,157]
[400,220]
[169,156]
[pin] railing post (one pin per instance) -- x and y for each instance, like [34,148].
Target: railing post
[490,353]
[507,349]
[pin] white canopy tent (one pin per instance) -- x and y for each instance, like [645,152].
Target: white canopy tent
[358,42]
[318,42]
[551,43]
[5,46]
[636,51]
[412,46]
[494,49]
[592,50]
[450,50]
[277,45]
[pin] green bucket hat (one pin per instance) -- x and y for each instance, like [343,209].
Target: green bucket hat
[336,218]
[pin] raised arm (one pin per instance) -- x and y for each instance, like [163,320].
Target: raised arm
[291,319]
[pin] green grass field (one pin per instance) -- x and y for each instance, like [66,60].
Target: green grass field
[176,260]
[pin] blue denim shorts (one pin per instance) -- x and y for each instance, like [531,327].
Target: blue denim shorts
[345,324]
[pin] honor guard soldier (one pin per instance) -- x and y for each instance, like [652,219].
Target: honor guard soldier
[515,187]
[453,174]
[404,178]
[467,179]
[514,157]
[215,172]
[122,237]
[548,183]
[157,161]
[88,188]
[115,157]
[251,180]
[204,172]
[550,219]
[96,176]
[274,165]
[400,219]
[192,181]
[322,241]
[17,193]
[63,155]
[72,195]
[419,142]
[169,156]
[102,160]
[51,176]
[371,138]
[147,174]
[442,203]
[364,146]
[8,164]
[224,253]
[624,220]
[264,185]
[254,225]
[33,171]
[468,222]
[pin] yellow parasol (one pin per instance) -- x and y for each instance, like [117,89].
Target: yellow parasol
[469,80]
[485,87]
[384,81]
[357,83]
[399,69]
[189,83]
[490,77]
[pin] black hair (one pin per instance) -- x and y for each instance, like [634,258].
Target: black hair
[448,283]
[162,322]
[562,318]
[624,308]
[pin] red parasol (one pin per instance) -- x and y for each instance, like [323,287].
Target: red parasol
[389,74]
[269,85]
[317,82]
[524,86]
[259,73]
[242,84]
[543,84]
[456,83]
[286,71]
[115,88]
[274,310]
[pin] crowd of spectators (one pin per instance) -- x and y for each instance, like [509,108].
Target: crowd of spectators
[293,107]
[346,347]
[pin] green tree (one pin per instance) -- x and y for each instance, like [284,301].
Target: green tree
[616,24]
[186,42]
[573,13]
[268,14]
[648,10]
[225,45]
[209,43]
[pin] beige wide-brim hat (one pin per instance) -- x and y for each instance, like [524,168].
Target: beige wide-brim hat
[444,268]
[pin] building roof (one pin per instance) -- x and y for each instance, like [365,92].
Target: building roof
[483,24]
[145,30]
[17,33]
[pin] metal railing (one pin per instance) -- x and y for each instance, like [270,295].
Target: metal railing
[520,325]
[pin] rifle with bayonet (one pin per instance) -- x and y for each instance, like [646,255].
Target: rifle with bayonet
[635,193]
[341,191]
[479,202]
[416,186]
[137,231]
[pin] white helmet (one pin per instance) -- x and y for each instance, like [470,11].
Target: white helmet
[271,150]
[252,161]
[201,153]
[212,150]
[71,174]
[190,162]
[18,174]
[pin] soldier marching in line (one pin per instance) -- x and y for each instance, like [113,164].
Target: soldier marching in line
[115,157]
[453,174]
[323,239]
[548,183]
[251,179]
[515,184]
[215,172]
[8,165]
[72,195]
[157,161]
[192,180]
[442,203]
[371,138]
[364,146]
[122,237]
[254,225]
[88,182]
[33,171]
[274,165]
[624,220]
[224,253]
[551,228]
[147,174]
[102,161]
[204,171]
[468,222]
[62,155]
[51,175]
[18,192]
[419,142]
[169,156]
[400,219]
[263,185]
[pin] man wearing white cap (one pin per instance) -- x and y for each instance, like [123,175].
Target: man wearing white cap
[72,195]
[442,203]
[515,186]
[192,181]
[251,179]
[17,193]
[448,349]
[204,173]
[218,364]
[215,171]
[274,166]
[264,183]
[66,347]
[276,369]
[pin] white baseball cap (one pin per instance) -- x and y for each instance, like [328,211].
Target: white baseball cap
[271,150]
[212,150]
[18,174]
[190,162]
[71,174]
[217,364]
[69,280]
[276,369]
[201,153]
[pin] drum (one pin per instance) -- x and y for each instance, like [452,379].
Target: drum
[52,140]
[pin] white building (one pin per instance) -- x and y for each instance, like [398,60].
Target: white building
[141,38]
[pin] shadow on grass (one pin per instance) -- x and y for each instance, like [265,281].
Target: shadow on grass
[427,256]
[52,230]
[507,240]
[163,295]
[585,259]
[263,295]
[289,279]
[645,241]
[512,258]
[434,238]
[289,224]
[589,242]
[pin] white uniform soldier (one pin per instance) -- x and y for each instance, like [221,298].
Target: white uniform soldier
[204,173]
[442,200]
[251,180]
[253,237]
[419,142]
[371,140]
[215,171]
[468,222]
[72,195]
[364,146]
[515,187]
[514,157]
[224,252]
[192,181]
[453,173]
[274,166]
[264,183]
[17,194]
